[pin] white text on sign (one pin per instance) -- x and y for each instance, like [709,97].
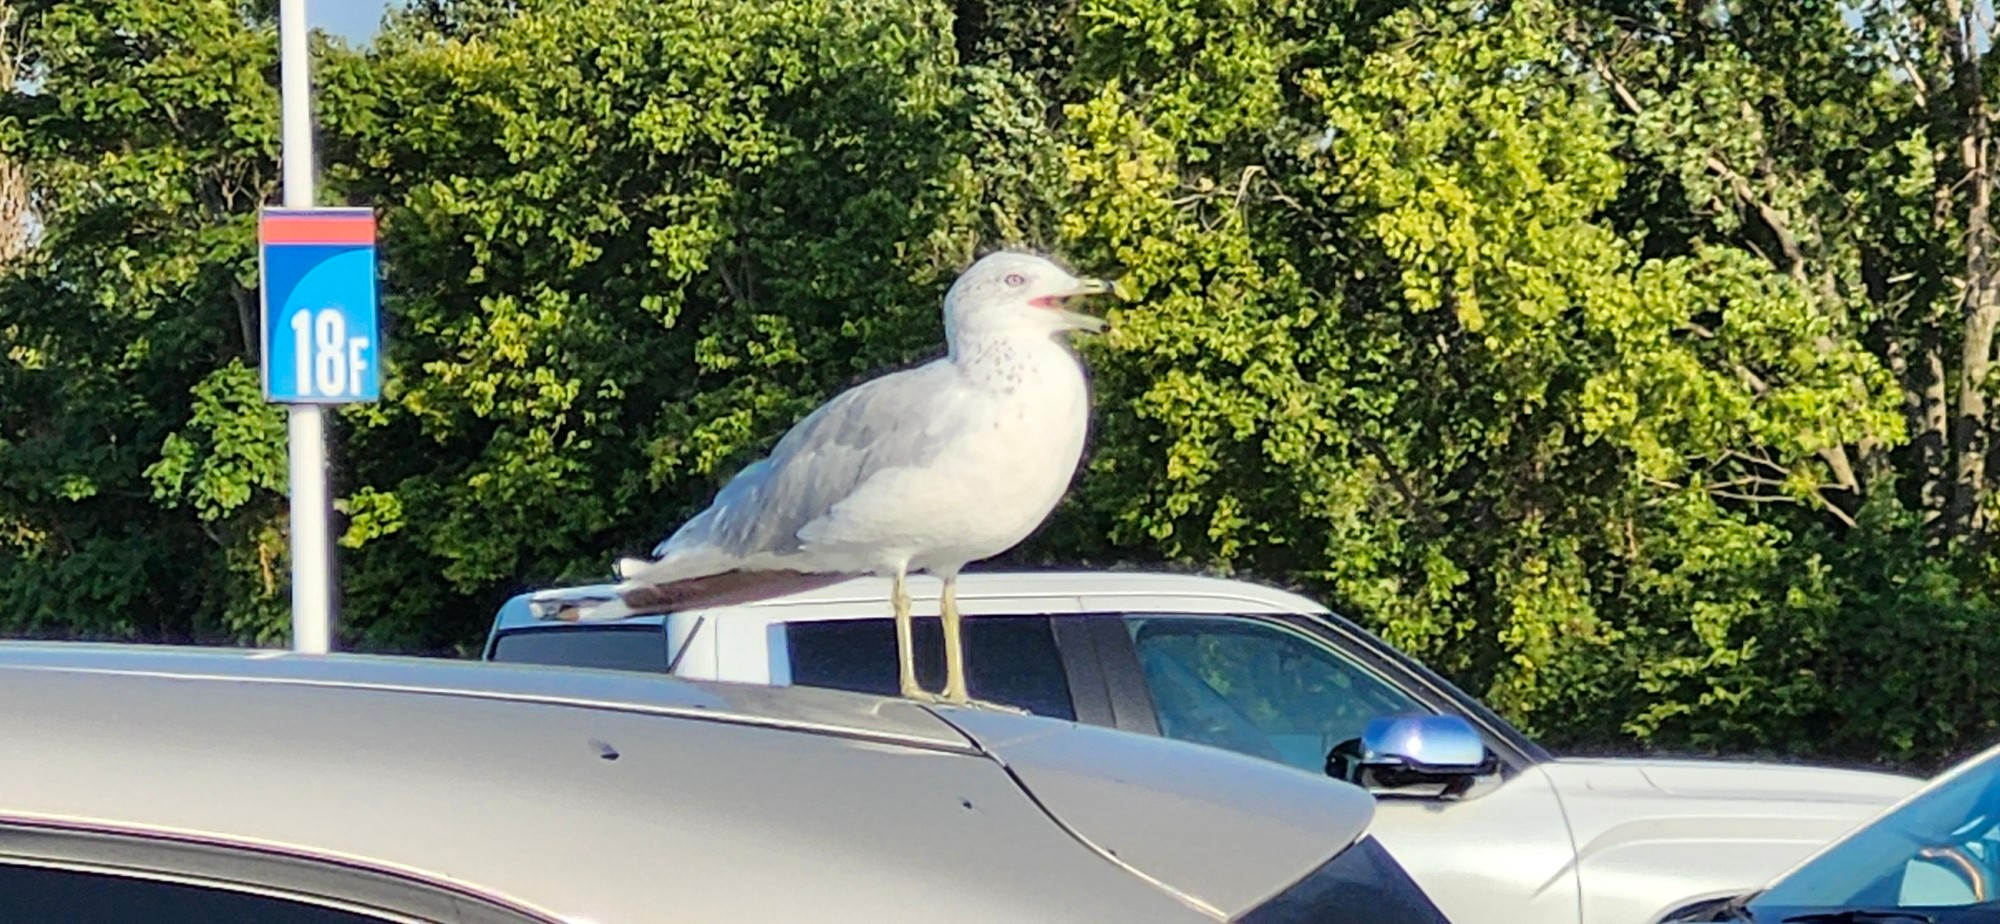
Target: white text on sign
[329,362]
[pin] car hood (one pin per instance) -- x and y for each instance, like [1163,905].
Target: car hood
[1654,835]
[1734,781]
[1951,778]
[1160,808]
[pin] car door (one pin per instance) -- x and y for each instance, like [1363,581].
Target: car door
[1270,689]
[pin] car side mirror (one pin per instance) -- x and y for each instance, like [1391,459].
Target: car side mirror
[1413,755]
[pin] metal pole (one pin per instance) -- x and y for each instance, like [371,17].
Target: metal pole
[312,584]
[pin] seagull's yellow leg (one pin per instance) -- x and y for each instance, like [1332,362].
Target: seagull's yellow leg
[906,657]
[954,644]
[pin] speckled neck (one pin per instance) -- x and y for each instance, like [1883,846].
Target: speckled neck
[1005,363]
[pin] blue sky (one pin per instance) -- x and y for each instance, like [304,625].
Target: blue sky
[354,20]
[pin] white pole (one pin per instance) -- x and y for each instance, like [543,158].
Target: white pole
[312,586]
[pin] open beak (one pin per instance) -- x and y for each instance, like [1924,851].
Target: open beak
[1090,324]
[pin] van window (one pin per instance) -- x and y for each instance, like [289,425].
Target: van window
[1011,660]
[618,648]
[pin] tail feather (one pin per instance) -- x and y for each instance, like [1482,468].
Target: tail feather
[675,567]
[724,589]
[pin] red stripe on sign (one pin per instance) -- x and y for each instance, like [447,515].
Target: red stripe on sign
[317,229]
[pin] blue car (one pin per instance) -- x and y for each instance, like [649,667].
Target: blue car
[1933,858]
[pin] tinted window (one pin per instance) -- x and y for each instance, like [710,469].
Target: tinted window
[1010,660]
[1363,885]
[30,893]
[1258,688]
[623,648]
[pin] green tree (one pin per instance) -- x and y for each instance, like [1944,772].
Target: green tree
[632,242]
[136,460]
[1845,149]
[626,243]
[1419,326]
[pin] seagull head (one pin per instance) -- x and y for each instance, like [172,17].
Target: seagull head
[1014,293]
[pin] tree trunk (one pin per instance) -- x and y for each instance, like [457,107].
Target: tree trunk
[1933,426]
[1980,296]
[1922,377]
[1970,435]
[16,231]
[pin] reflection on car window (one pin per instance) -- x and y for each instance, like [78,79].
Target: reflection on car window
[1012,660]
[1257,688]
[31,893]
[1940,850]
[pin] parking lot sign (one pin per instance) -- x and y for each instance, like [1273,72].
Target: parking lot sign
[321,336]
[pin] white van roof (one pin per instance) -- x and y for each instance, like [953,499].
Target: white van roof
[996,592]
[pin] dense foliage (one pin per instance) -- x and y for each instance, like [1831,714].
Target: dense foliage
[1630,361]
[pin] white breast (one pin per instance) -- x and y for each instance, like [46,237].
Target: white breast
[1009,474]
[1007,435]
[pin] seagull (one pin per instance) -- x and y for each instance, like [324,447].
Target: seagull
[922,470]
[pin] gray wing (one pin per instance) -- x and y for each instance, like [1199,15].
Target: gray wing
[889,422]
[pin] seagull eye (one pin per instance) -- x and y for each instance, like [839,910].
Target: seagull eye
[1016,280]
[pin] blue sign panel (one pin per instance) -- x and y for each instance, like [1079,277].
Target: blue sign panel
[321,336]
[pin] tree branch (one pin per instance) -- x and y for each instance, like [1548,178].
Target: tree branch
[1746,195]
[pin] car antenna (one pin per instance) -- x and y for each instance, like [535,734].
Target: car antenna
[692,635]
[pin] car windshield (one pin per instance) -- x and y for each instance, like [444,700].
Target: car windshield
[1939,850]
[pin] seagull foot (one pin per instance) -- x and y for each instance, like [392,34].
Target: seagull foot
[921,695]
[996,707]
[970,703]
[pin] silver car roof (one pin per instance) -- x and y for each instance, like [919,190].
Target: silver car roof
[885,719]
[604,796]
